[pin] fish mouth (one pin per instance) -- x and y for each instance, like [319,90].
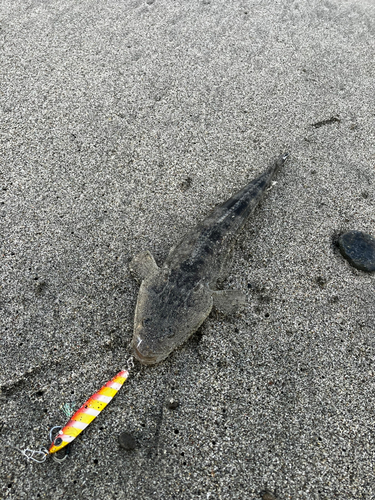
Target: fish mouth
[144,358]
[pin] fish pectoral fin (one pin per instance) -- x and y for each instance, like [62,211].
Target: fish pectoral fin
[143,265]
[228,301]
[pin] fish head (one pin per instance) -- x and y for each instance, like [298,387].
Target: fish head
[168,312]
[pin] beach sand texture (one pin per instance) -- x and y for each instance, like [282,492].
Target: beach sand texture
[122,124]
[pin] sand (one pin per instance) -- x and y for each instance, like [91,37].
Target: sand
[121,125]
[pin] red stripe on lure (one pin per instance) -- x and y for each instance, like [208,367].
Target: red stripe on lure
[88,412]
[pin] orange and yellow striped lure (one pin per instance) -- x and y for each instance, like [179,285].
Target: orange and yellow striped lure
[88,412]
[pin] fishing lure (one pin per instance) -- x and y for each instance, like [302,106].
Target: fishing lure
[80,420]
[88,412]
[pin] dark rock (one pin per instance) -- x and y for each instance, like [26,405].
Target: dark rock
[267,495]
[40,287]
[320,281]
[127,441]
[173,404]
[186,184]
[359,249]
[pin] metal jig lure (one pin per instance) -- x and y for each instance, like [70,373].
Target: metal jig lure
[88,412]
[80,420]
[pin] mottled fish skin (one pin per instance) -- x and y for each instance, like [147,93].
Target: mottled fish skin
[174,300]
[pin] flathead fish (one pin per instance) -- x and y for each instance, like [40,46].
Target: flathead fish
[175,299]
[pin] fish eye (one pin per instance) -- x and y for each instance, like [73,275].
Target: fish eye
[145,321]
[170,333]
[58,441]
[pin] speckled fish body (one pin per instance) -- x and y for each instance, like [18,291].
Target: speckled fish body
[88,412]
[175,299]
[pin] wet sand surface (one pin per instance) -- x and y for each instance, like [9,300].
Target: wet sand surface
[122,124]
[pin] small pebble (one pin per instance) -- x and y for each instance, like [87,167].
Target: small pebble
[186,184]
[267,495]
[127,441]
[173,404]
[359,249]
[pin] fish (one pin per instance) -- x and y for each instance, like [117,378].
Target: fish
[88,412]
[175,299]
